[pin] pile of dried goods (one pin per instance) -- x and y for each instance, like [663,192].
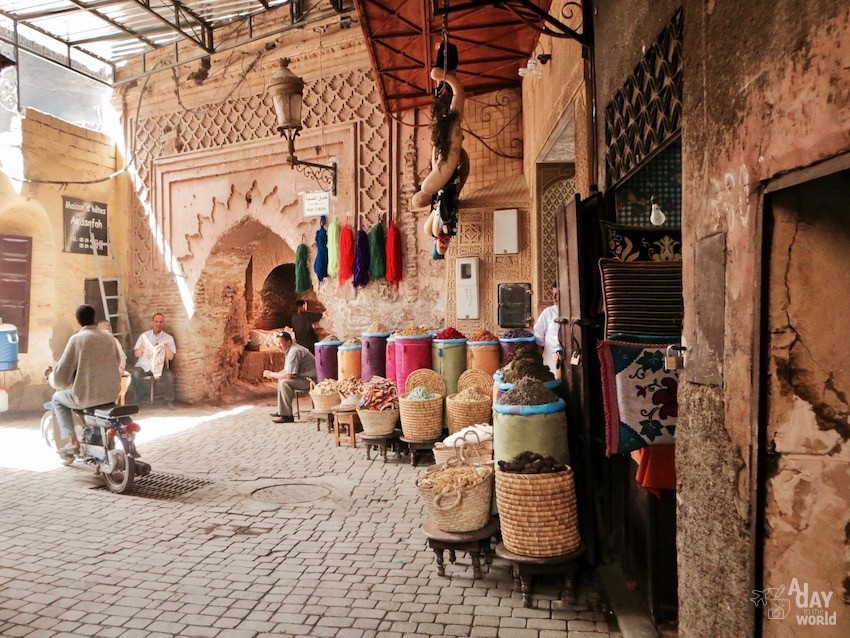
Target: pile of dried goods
[421,394]
[471,395]
[527,362]
[350,387]
[352,343]
[516,333]
[377,328]
[483,335]
[453,479]
[379,394]
[449,333]
[532,463]
[416,330]
[326,387]
[528,391]
[331,338]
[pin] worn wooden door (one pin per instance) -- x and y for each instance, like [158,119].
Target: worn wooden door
[15,274]
[806,504]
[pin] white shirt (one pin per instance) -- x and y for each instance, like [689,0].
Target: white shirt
[546,335]
[121,355]
[144,361]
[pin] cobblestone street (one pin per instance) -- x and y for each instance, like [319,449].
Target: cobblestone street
[342,556]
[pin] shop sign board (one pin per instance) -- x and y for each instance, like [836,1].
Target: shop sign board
[316,203]
[84,221]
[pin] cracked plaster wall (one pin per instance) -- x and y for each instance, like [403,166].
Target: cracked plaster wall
[766,86]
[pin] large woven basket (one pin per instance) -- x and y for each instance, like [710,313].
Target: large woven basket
[474,378]
[538,513]
[460,414]
[465,510]
[469,449]
[324,402]
[425,378]
[378,422]
[421,420]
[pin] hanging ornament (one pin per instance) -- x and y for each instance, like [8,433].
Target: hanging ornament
[346,253]
[302,270]
[320,265]
[361,259]
[333,249]
[377,250]
[393,259]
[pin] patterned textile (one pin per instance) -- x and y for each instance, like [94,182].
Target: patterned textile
[662,177]
[640,399]
[642,297]
[637,243]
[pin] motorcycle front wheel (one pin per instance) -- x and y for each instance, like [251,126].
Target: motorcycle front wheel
[120,479]
[49,437]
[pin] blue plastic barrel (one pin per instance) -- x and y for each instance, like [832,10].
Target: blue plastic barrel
[8,347]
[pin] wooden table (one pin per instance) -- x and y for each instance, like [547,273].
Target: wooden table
[524,568]
[476,543]
[418,446]
[345,427]
[382,442]
[323,416]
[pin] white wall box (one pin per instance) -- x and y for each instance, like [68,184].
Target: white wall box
[505,231]
[466,284]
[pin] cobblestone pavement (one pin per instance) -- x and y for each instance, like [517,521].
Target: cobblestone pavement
[344,557]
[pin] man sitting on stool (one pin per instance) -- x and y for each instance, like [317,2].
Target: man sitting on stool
[298,370]
[154,349]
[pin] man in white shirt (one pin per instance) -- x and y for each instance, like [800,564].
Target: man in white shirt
[299,369]
[154,349]
[546,332]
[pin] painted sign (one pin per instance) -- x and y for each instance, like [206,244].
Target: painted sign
[316,203]
[84,221]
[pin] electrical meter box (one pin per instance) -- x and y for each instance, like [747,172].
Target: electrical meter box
[514,305]
[466,283]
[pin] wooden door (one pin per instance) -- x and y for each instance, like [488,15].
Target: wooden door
[15,276]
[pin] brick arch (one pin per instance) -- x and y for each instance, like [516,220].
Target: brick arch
[218,329]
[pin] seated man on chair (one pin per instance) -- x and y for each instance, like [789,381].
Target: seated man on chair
[154,349]
[299,370]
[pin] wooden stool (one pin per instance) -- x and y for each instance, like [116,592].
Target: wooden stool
[349,422]
[476,543]
[382,442]
[323,416]
[300,394]
[524,568]
[418,446]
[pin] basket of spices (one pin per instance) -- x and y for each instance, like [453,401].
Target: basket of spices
[457,496]
[536,498]
[512,339]
[325,395]
[378,407]
[421,414]
[352,387]
[483,352]
[466,408]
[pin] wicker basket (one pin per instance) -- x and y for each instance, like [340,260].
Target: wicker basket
[469,449]
[421,420]
[538,513]
[462,511]
[378,422]
[324,402]
[460,414]
[474,378]
[425,378]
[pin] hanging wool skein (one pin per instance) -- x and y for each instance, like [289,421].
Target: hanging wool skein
[302,270]
[393,253]
[361,259]
[320,265]
[333,248]
[377,248]
[346,253]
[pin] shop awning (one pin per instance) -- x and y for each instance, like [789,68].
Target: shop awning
[493,39]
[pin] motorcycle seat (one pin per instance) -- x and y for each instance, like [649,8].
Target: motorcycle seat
[110,410]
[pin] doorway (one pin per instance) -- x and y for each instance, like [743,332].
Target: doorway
[805,499]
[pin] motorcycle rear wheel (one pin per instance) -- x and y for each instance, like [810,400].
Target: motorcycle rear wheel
[121,480]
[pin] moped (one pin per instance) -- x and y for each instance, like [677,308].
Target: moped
[107,441]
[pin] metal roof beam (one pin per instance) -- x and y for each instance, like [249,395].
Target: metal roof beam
[52,13]
[113,23]
[205,41]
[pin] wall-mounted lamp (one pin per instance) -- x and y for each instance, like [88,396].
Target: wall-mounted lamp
[531,68]
[286,90]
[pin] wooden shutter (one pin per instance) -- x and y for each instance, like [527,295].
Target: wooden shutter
[15,277]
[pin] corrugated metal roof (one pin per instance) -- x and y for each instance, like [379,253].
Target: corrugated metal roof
[112,31]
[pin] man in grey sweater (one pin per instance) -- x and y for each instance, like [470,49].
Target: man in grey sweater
[87,375]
